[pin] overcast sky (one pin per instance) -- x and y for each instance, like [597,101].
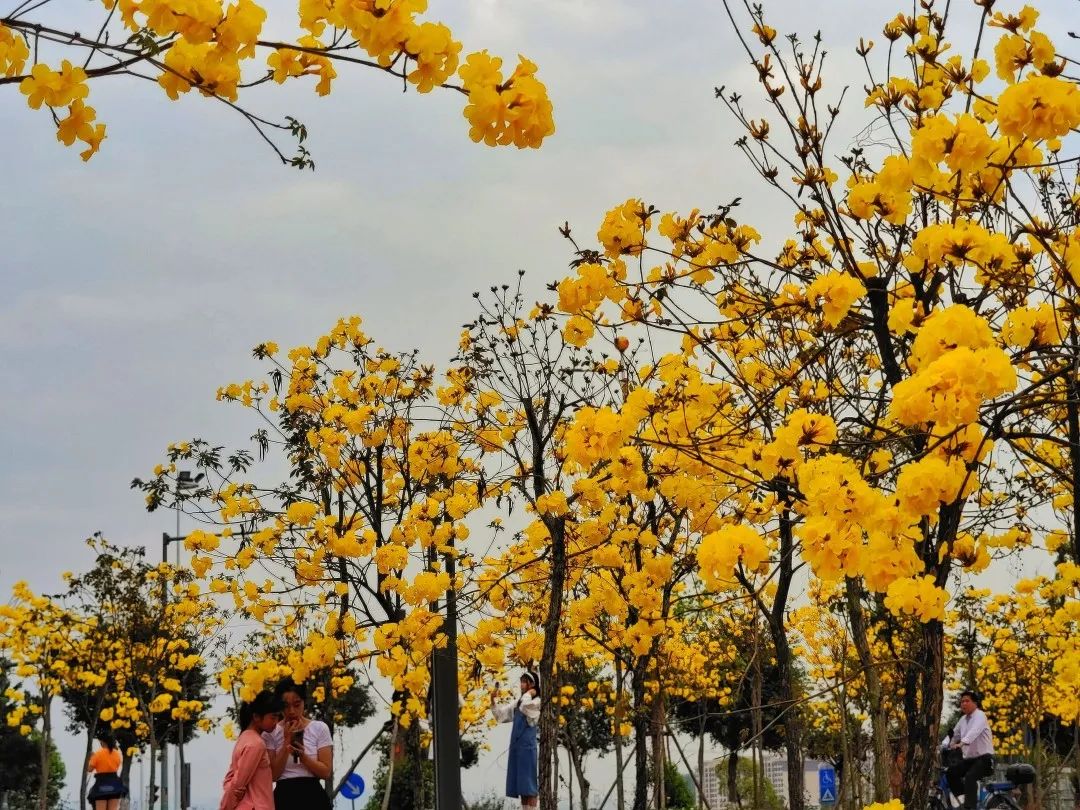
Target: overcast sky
[134,285]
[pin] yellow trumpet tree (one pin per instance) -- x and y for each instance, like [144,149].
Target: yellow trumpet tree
[222,50]
[888,364]
[122,657]
[40,638]
[349,558]
[1019,648]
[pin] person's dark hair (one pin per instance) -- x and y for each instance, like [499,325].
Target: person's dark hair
[106,739]
[289,685]
[265,702]
[975,698]
[532,677]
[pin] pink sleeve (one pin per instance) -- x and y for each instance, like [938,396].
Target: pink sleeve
[247,762]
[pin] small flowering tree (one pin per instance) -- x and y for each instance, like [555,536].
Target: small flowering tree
[348,560]
[145,653]
[121,656]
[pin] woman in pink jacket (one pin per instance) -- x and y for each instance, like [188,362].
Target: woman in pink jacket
[249,784]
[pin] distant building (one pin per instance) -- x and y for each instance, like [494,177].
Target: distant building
[714,783]
[776,773]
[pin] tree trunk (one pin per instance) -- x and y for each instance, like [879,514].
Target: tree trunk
[46,736]
[733,776]
[416,767]
[125,771]
[85,765]
[757,724]
[925,677]
[792,722]
[620,789]
[641,743]
[578,763]
[555,774]
[91,731]
[785,668]
[879,720]
[1072,417]
[659,753]
[845,773]
[549,720]
[701,763]
[153,773]
[394,746]
[922,707]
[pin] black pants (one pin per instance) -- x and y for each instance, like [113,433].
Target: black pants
[302,793]
[964,778]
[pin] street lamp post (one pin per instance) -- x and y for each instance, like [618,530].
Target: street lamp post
[446,707]
[184,482]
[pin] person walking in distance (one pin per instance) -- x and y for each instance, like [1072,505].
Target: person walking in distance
[108,789]
[972,736]
[521,760]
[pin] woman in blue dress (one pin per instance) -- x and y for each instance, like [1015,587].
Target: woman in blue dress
[521,759]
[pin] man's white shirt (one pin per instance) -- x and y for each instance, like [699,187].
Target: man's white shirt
[973,734]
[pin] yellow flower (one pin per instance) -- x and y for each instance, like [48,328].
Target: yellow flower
[301,513]
[1039,107]
[500,112]
[836,292]
[77,124]
[54,88]
[577,331]
[720,551]
[13,52]
[764,33]
[918,597]
[622,231]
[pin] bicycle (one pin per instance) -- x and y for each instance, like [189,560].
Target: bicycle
[993,795]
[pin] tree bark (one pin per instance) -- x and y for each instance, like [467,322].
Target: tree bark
[1072,415]
[757,723]
[785,668]
[792,723]
[923,700]
[641,743]
[659,724]
[879,721]
[555,773]
[701,763]
[620,789]
[733,776]
[569,780]
[91,730]
[46,736]
[925,677]
[549,720]
[85,766]
[578,762]
[153,772]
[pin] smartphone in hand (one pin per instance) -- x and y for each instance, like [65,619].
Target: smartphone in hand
[297,742]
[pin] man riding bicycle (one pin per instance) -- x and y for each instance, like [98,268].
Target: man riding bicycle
[974,740]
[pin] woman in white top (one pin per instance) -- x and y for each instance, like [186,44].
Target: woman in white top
[301,754]
[521,758]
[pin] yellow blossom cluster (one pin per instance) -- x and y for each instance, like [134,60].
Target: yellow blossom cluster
[132,672]
[206,45]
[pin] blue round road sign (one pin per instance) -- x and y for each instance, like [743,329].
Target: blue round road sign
[353,787]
